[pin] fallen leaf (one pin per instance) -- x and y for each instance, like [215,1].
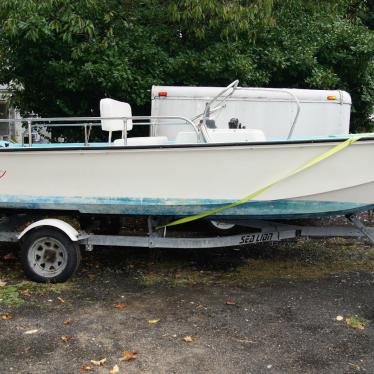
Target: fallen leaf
[355,366]
[86,367]
[99,363]
[30,332]
[6,317]
[153,321]
[2,283]
[230,302]
[60,299]
[245,341]
[65,338]
[67,322]
[356,322]
[9,256]
[188,339]
[128,356]
[339,318]
[91,276]
[115,370]
[25,293]
[120,305]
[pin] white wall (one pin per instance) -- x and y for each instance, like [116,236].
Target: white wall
[272,111]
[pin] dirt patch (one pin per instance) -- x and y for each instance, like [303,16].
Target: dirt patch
[261,309]
[303,259]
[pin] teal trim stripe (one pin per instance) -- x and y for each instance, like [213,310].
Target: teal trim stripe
[183,207]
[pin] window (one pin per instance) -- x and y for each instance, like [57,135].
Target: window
[4,114]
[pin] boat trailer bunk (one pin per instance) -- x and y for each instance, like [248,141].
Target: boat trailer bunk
[50,248]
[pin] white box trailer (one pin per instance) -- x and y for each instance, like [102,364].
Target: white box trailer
[317,112]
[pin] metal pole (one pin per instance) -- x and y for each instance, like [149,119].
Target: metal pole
[281,90]
[90,119]
[124,132]
[29,128]
[85,135]
[365,230]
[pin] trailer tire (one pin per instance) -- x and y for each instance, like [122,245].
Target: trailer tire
[222,228]
[49,256]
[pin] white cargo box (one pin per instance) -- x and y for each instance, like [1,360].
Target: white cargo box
[321,112]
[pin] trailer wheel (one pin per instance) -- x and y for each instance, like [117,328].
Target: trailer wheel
[48,255]
[222,228]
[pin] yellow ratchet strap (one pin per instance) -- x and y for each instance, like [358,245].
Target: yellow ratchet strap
[245,199]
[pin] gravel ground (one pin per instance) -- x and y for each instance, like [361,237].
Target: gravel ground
[264,309]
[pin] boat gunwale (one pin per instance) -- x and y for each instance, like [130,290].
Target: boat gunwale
[182,146]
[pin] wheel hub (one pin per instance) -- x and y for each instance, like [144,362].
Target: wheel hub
[48,257]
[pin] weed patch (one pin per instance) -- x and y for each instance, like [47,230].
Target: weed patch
[12,295]
[302,259]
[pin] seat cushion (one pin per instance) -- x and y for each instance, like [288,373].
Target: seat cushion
[114,108]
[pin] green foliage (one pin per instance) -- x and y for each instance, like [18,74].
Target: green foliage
[62,56]
[325,49]
[218,20]
[10,296]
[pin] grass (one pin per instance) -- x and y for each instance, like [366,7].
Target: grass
[12,295]
[303,259]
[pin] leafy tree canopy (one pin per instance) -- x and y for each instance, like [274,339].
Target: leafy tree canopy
[61,56]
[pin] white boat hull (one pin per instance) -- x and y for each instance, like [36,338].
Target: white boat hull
[185,180]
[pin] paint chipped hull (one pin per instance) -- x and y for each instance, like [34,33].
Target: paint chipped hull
[255,209]
[180,181]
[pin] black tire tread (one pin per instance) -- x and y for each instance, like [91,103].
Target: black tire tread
[74,254]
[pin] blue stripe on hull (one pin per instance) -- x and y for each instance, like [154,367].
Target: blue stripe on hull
[184,207]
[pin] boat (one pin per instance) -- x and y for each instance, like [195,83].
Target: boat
[202,169]
[235,177]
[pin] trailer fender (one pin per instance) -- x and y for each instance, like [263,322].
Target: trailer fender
[65,227]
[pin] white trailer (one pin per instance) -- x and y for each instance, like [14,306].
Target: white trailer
[274,111]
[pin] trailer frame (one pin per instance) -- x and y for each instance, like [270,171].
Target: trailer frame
[28,229]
